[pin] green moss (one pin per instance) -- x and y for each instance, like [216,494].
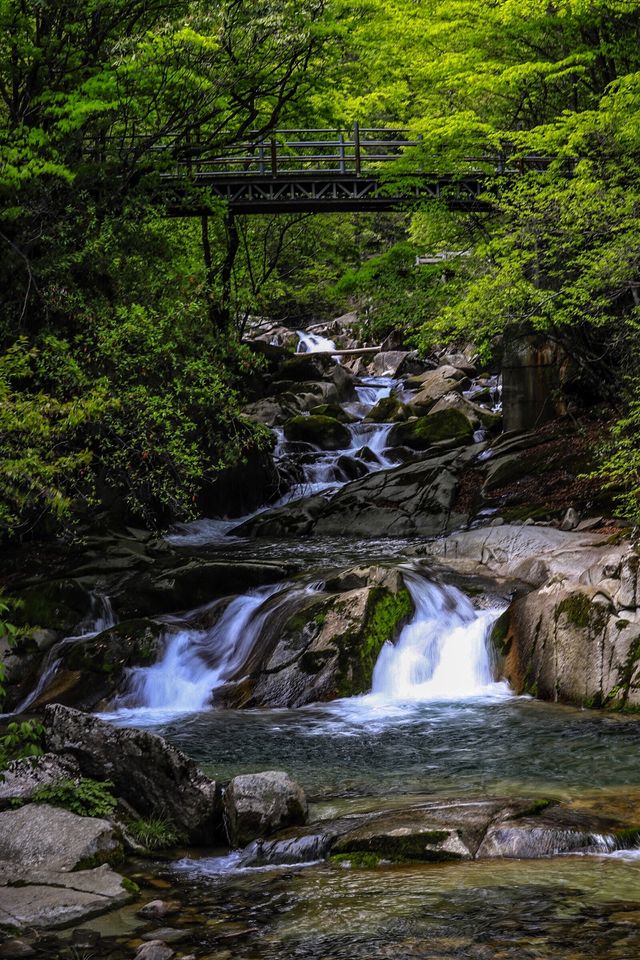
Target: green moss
[130,886]
[576,608]
[399,849]
[500,634]
[425,431]
[537,807]
[627,837]
[333,410]
[385,615]
[324,432]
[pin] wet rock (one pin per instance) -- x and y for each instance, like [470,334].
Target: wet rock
[256,805]
[333,410]
[306,849]
[154,950]
[450,424]
[22,778]
[14,949]
[48,900]
[92,669]
[39,835]
[328,647]
[295,519]
[159,909]
[390,363]
[323,432]
[167,935]
[559,832]
[417,498]
[567,642]
[388,410]
[147,772]
[196,582]
[351,468]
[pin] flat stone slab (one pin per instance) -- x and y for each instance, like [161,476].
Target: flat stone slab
[47,900]
[41,835]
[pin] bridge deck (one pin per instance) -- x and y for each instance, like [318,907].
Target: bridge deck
[317,171]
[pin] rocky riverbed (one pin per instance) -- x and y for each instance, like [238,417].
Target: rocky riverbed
[345,667]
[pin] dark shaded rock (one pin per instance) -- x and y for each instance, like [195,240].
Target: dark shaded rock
[305,849]
[55,604]
[147,772]
[351,468]
[294,519]
[323,432]
[239,490]
[416,498]
[194,583]
[92,669]
[333,410]
[259,804]
[303,367]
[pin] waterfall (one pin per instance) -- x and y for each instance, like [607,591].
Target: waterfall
[313,343]
[195,661]
[443,654]
[100,617]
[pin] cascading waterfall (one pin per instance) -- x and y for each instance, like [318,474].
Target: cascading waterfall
[196,662]
[313,343]
[443,654]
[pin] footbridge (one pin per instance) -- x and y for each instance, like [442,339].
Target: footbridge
[296,171]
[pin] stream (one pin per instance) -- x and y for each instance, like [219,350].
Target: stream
[438,722]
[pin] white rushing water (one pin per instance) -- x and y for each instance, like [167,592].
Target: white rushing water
[196,662]
[313,343]
[443,654]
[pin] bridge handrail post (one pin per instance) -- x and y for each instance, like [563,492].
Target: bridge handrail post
[356,147]
[343,166]
[274,158]
[261,164]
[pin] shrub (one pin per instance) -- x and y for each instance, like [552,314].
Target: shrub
[86,797]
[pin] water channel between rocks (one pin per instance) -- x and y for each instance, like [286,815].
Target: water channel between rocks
[437,723]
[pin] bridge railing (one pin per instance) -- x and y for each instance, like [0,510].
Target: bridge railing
[360,151]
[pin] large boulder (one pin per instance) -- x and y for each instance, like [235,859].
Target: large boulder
[434,384]
[326,433]
[38,835]
[327,644]
[146,771]
[418,498]
[445,425]
[259,804]
[572,643]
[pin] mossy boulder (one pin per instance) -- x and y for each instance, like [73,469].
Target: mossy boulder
[328,647]
[333,410]
[327,433]
[93,669]
[57,605]
[424,432]
[388,410]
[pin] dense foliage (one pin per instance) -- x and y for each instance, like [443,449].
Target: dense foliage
[121,376]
